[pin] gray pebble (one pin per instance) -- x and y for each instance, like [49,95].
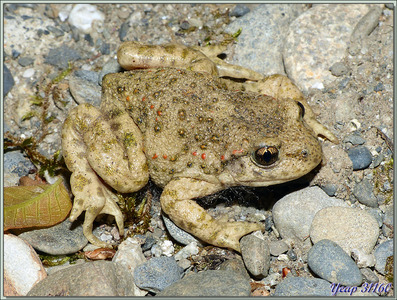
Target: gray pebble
[239,11]
[360,156]
[377,214]
[256,254]
[363,191]
[235,265]
[184,25]
[25,61]
[330,262]
[16,162]
[379,87]
[369,276]
[56,31]
[178,234]
[338,69]
[85,91]
[15,53]
[354,139]
[367,24]
[330,189]
[377,160]
[344,82]
[210,283]
[300,286]
[112,66]
[278,247]
[387,227]
[149,242]
[382,252]
[269,223]
[97,278]
[87,75]
[64,238]
[157,273]
[292,255]
[123,31]
[8,80]
[61,56]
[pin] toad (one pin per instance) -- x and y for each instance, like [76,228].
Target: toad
[176,116]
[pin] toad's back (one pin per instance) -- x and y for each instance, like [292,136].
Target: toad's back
[191,123]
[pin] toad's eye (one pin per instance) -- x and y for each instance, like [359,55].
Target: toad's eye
[265,156]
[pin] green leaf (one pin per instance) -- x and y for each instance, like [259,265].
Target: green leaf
[41,205]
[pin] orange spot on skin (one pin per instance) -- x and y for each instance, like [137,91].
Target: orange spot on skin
[155,156]
[203,156]
[222,157]
[157,119]
[128,98]
[143,98]
[151,106]
[159,112]
[165,156]
[194,153]
[237,151]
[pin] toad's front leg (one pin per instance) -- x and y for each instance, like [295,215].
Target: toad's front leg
[176,201]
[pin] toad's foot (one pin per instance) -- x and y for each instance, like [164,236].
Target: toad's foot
[187,214]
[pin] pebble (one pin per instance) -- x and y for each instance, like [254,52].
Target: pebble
[22,266]
[28,73]
[64,238]
[61,56]
[328,260]
[149,242]
[123,31]
[209,283]
[178,234]
[83,15]
[360,156]
[387,227]
[167,247]
[263,53]
[96,278]
[354,139]
[369,276]
[377,214]
[16,162]
[294,213]
[300,286]
[362,259]
[239,11]
[330,189]
[350,228]
[112,66]
[56,31]
[363,191]
[90,76]
[256,254]
[366,24]
[235,265]
[338,69]
[382,252]
[185,252]
[25,61]
[8,81]
[85,91]
[317,39]
[129,254]
[157,273]
[278,247]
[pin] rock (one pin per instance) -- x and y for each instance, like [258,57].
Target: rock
[189,250]
[387,227]
[235,265]
[90,76]
[84,91]
[178,234]
[369,276]
[338,69]
[129,254]
[256,254]
[239,11]
[350,228]
[294,213]
[157,273]
[354,139]
[16,162]
[377,214]
[112,66]
[382,252]
[82,16]
[278,247]
[25,61]
[211,283]
[263,53]
[360,156]
[363,191]
[317,39]
[299,286]
[61,56]
[8,80]
[97,278]
[22,267]
[328,260]
[363,259]
[64,238]
[366,24]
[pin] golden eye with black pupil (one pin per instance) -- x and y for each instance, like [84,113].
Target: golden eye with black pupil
[265,156]
[301,109]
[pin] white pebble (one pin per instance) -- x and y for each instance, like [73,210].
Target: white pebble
[28,73]
[82,16]
[189,250]
[318,85]
[167,247]
[64,12]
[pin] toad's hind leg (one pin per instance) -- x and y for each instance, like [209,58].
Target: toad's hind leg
[176,201]
[101,158]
